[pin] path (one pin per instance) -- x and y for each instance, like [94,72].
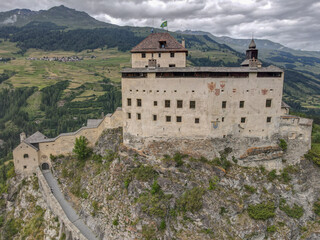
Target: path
[67,208]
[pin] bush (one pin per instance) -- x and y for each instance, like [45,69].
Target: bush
[213,183]
[262,211]
[81,149]
[316,207]
[283,144]
[285,176]
[155,188]
[154,205]
[295,212]
[115,222]
[250,189]
[272,175]
[163,225]
[191,200]
[271,229]
[144,173]
[313,156]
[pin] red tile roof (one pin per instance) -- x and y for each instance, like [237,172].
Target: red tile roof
[152,44]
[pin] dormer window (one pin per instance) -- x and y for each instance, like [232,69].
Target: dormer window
[163,44]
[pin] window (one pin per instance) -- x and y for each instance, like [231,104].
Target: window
[129,101]
[167,103]
[172,65]
[197,120]
[268,102]
[139,116]
[179,103]
[222,119]
[241,105]
[143,55]
[26,155]
[129,115]
[139,103]
[162,44]
[179,119]
[154,117]
[268,119]
[25,167]
[243,120]
[168,118]
[172,54]
[192,104]
[159,55]
[155,103]
[224,104]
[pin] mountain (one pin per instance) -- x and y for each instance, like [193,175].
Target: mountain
[60,15]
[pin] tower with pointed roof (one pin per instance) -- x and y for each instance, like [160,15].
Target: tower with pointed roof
[251,56]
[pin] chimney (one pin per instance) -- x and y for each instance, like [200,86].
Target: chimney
[183,43]
[22,136]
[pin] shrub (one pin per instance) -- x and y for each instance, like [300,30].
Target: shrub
[272,175]
[144,173]
[115,222]
[250,189]
[178,159]
[191,200]
[295,212]
[81,149]
[285,176]
[283,144]
[163,225]
[155,188]
[271,229]
[148,232]
[213,183]
[316,207]
[313,156]
[223,210]
[154,204]
[262,211]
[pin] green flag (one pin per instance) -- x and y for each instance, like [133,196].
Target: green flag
[164,24]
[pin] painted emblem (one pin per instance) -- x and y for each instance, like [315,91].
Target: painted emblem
[264,91]
[215,124]
[217,92]
[222,84]
[211,86]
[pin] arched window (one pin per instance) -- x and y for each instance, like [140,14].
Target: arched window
[26,155]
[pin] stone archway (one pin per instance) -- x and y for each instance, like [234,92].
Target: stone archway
[45,166]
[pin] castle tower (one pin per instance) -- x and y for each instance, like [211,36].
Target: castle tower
[251,56]
[22,136]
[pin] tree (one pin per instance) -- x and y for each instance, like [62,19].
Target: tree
[81,148]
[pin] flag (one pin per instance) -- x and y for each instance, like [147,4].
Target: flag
[164,24]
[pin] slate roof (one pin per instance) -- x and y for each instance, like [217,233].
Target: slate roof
[152,44]
[284,105]
[35,138]
[252,44]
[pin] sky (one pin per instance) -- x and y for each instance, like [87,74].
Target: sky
[293,23]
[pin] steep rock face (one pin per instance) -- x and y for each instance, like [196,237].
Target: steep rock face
[130,195]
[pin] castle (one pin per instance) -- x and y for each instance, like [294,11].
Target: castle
[167,107]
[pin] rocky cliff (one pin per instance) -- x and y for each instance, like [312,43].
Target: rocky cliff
[125,194]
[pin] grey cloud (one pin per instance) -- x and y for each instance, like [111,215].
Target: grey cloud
[294,23]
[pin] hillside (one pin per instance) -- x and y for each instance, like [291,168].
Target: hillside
[60,15]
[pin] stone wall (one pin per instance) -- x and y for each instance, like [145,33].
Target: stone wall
[72,231]
[25,158]
[250,151]
[179,59]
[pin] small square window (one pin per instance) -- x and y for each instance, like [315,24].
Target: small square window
[139,103]
[241,104]
[268,102]
[129,115]
[222,119]
[172,55]
[168,118]
[224,104]
[197,120]
[159,55]
[179,119]
[139,116]
[129,101]
[143,55]
[155,103]
[192,104]
[179,103]
[268,119]
[154,117]
[243,120]
[167,103]
[25,166]
[172,65]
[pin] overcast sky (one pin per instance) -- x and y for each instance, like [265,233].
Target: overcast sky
[293,23]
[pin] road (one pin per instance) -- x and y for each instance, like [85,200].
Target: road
[66,206]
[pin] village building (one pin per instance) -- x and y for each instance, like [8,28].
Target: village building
[167,107]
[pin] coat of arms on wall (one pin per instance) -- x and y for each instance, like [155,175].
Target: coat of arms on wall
[211,86]
[264,91]
[215,124]
[222,84]
[217,92]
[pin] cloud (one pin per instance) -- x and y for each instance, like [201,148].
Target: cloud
[293,23]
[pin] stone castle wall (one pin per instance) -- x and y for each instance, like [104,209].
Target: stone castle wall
[179,59]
